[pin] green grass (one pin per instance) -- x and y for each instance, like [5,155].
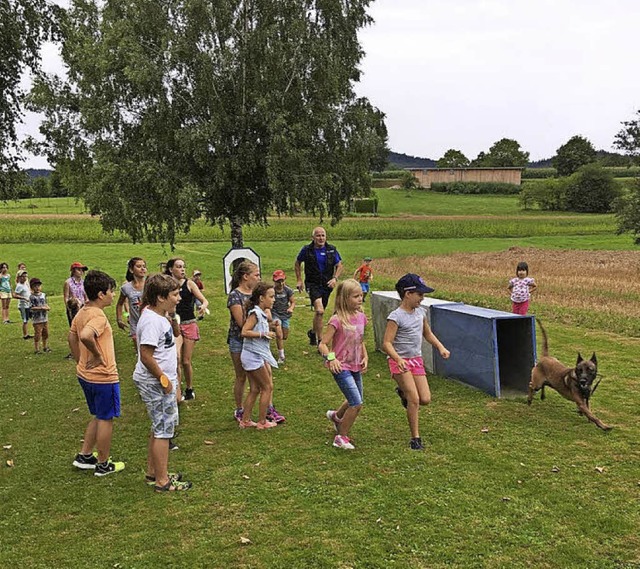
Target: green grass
[473,499]
[42,206]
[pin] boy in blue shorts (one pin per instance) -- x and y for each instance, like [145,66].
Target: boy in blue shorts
[156,375]
[91,343]
[282,310]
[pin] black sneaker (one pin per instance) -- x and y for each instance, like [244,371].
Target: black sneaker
[402,397]
[172,445]
[313,340]
[106,468]
[85,462]
[189,394]
[416,444]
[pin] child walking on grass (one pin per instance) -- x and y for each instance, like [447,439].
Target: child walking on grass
[91,343]
[131,293]
[348,358]
[257,359]
[521,287]
[22,293]
[406,326]
[39,310]
[156,376]
[5,292]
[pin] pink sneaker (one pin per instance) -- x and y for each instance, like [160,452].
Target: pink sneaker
[274,416]
[342,442]
[247,424]
[266,425]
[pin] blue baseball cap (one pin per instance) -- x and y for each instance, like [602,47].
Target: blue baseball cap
[413,283]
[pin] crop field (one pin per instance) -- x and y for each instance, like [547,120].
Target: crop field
[500,484]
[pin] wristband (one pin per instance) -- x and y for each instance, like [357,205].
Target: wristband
[164,380]
[331,356]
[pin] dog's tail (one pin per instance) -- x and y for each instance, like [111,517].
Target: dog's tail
[545,343]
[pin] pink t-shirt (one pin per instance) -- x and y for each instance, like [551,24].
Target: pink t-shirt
[347,342]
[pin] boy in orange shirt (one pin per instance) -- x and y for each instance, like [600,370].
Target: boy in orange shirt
[91,343]
[364,275]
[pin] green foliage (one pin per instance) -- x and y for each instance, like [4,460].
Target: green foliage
[365,205]
[624,172]
[548,195]
[591,189]
[476,188]
[408,181]
[505,152]
[627,210]
[576,152]
[453,159]
[388,174]
[538,173]
[628,138]
[227,110]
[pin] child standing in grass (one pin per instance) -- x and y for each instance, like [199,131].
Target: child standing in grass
[91,343]
[39,310]
[406,326]
[131,293]
[257,359]
[156,376]
[349,358]
[364,275]
[521,287]
[5,292]
[283,308]
[22,293]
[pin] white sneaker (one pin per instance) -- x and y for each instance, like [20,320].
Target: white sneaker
[342,442]
[331,415]
[281,360]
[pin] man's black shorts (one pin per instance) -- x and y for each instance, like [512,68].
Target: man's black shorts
[316,292]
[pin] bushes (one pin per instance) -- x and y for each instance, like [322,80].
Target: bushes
[627,208]
[475,188]
[538,173]
[365,205]
[591,189]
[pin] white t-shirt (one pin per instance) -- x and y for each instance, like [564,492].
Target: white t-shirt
[155,330]
[23,290]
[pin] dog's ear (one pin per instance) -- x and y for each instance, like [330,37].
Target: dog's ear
[580,358]
[594,359]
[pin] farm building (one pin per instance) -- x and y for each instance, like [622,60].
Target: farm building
[428,176]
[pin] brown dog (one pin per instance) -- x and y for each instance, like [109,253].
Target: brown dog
[575,384]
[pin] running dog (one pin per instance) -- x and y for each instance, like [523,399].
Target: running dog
[574,384]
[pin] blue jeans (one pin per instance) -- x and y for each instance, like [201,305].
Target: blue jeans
[350,383]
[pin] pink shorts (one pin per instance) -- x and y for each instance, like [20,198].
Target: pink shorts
[190,331]
[414,365]
[520,307]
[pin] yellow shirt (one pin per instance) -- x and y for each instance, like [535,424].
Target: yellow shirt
[96,320]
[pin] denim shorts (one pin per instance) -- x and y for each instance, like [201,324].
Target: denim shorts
[235,345]
[25,313]
[162,407]
[350,383]
[103,399]
[284,322]
[364,287]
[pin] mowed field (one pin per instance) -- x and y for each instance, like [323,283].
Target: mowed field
[500,484]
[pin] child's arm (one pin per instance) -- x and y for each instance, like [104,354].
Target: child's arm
[323,347]
[532,286]
[88,340]
[148,361]
[119,310]
[292,303]
[249,332]
[430,337]
[193,287]
[355,274]
[387,344]
[237,314]
[365,358]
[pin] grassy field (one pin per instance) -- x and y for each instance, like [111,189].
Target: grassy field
[500,485]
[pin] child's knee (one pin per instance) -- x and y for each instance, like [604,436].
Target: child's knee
[425,399]
[319,310]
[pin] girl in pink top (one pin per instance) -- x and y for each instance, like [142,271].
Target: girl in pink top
[348,360]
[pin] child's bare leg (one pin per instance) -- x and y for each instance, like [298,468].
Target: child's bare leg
[160,458]
[407,384]
[89,441]
[150,465]
[249,402]
[263,376]
[348,419]
[187,367]
[25,330]
[45,336]
[179,342]
[341,410]
[103,438]
[279,337]
[240,381]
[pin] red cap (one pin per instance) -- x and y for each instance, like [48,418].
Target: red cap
[279,275]
[77,265]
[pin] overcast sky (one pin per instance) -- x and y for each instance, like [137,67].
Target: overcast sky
[465,73]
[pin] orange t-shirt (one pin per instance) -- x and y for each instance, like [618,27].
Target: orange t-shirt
[364,273]
[95,319]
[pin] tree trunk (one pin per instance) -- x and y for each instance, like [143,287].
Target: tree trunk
[237,240]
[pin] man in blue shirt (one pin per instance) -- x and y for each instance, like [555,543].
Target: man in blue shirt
[322,267]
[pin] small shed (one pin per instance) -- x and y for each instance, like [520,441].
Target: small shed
[428,176]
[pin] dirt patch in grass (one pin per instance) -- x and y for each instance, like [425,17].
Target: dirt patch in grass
[600,281]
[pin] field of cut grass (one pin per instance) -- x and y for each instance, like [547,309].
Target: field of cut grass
[500,484]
